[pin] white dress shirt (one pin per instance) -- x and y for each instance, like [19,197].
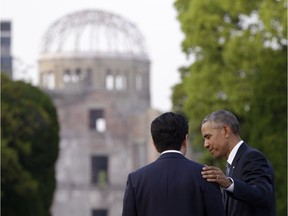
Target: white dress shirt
[230,160]
[171,151]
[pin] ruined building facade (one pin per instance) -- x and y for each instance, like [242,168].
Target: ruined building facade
[102,94]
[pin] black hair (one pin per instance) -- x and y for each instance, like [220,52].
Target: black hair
[168,131]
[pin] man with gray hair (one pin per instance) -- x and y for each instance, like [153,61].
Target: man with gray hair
[248,185]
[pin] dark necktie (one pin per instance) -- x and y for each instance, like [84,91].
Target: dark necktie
[228,167]
[225,196]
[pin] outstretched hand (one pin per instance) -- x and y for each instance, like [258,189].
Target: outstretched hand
[215,174]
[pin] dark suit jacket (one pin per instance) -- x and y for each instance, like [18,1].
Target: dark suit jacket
[171,186]
[253,185]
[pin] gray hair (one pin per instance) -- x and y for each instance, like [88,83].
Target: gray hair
[223,117]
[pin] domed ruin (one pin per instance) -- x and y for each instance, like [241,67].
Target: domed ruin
[95,67]
[93,32]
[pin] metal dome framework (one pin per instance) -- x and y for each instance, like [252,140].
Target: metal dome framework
[93,32]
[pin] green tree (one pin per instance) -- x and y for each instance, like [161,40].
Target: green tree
[240,52]
[29,149]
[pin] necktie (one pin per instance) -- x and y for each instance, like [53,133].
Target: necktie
[228,167]
[225,196]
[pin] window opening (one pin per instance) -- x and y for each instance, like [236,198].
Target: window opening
[97,120]
[109,81]
[120,82]
[99,212]
[99,170]
[77,76]
[67,76]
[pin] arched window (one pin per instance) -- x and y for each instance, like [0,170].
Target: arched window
[67,76]
[120,82]
[77,76]
[109,81]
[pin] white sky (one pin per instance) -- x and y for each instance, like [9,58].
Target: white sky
[156,19]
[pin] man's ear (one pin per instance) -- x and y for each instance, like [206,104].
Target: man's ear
[227,130]
[184,145]
[186,139]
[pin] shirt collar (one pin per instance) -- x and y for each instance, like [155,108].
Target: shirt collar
[233,152]
[171,151]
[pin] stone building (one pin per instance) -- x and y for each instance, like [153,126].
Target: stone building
[95,67]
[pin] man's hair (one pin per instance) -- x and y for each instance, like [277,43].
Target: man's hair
[168,131]
[223,117]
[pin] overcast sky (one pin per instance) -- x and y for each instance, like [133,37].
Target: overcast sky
[156,19]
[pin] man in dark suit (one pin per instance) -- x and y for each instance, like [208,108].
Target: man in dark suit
[172,185]
[248,186]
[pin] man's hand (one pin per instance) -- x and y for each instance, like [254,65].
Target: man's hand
[215,174]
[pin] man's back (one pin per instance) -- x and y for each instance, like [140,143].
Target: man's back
[172,185]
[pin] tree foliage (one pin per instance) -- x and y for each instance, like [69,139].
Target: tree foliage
[29,149]
[240,52]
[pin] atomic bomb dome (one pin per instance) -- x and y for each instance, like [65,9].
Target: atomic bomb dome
[95,67]
[93,49]
[93,32]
